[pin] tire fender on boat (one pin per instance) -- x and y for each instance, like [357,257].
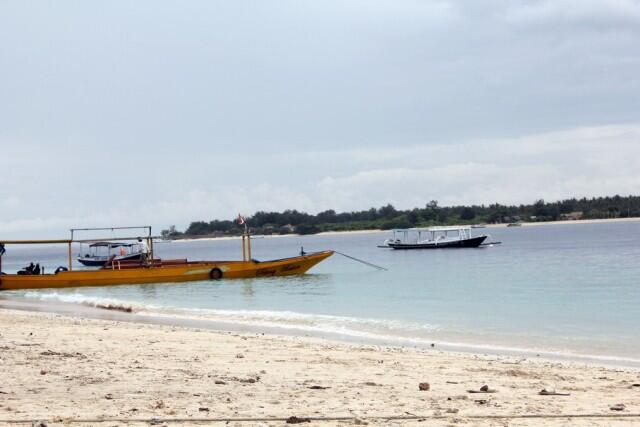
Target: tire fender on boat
[215,274]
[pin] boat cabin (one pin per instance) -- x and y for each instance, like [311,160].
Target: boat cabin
[101,252]
[433,237]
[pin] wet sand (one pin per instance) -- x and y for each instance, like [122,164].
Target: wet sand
[72,370]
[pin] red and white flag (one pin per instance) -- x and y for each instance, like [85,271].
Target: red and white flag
[241,219]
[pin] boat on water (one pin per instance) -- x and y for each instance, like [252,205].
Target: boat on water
[101,252]
[149,269]
[434,238]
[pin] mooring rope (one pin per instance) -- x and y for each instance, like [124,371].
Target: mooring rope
[181,420]
[362,261]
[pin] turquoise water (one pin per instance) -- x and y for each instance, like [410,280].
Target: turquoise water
[563,290]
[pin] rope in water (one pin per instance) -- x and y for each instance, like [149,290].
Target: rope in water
[359,260]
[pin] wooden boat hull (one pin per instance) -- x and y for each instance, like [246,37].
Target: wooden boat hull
[174,272]
[472,242]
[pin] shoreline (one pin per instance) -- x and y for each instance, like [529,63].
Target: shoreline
[129,371]
[352,232]
[126,313]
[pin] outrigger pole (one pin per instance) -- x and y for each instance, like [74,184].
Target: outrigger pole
[70,241]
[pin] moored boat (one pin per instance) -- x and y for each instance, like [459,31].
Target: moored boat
[434,238]
[101,252]
[152,270]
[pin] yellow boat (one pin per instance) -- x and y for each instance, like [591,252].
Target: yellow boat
[156,270]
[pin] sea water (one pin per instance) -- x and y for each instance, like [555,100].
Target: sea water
[566,290]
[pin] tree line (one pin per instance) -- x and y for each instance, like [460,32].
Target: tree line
[388,217]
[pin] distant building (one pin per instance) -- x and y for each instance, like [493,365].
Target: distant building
[571,216]
[287,229]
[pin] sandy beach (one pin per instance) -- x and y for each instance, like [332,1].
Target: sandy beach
[79,371]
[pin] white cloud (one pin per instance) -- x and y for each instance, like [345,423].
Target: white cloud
[582,162]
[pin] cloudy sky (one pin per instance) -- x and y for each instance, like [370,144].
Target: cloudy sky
[164,112]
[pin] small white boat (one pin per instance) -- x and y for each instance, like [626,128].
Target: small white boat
[102,252]
[434,238]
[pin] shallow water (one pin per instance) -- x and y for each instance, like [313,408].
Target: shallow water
[554,289]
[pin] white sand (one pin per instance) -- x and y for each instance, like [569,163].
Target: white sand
[63,369]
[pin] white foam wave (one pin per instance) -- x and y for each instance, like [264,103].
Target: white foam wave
[388,332]
[78,298]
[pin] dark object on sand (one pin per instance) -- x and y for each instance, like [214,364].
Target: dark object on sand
[617,407]
[318,387]
[545,392]
[115,307]
[484,389]
[424,386]
[296,420]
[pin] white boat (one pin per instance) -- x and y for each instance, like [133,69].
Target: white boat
[102,252]
[434,238]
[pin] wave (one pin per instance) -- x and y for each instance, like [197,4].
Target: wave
[361,330]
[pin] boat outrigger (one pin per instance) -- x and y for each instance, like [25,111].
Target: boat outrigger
[434,238]
[149,269]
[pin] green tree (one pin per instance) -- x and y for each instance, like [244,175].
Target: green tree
[467,213]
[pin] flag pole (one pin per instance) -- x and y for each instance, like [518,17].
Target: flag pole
[246,231]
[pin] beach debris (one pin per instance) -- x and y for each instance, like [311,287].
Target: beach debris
[452,411]
[372,384]
[115,307]
[635,385]
[55,353]
[239,356]
[318,387]
[43,372]
[360,422]
[484,389]
[297,420]
[458,397]
[481,401]
[108,396]
[424,387]
[545,392]
[617,407]
[39,423]
[433,345]
[453,382]
[158,405]
[203,409]
[219,382]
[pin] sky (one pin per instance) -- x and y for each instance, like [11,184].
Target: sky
[162,112]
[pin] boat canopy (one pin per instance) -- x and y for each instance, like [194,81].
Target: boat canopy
[433,229]
[111,244]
